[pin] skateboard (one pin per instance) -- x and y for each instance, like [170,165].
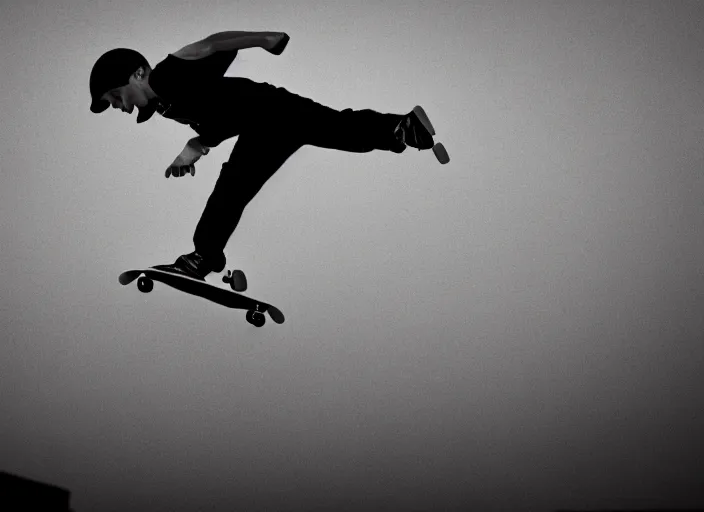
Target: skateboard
[255,309]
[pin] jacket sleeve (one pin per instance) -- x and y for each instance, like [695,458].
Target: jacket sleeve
[218,62]
[212,138]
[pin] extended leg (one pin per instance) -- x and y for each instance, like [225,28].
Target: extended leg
[361,131]
[357,131]
[254,159]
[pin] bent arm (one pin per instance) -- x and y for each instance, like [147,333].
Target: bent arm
[224,41]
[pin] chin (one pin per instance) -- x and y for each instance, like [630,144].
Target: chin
[145,113]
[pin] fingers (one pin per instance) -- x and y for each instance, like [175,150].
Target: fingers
[179,171]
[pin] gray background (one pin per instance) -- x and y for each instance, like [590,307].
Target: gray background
[518,330]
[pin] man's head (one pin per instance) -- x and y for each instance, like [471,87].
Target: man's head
[120,78]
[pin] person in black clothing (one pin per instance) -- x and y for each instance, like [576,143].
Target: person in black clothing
[272,123]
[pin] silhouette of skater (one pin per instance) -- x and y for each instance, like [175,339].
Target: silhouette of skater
[272,123]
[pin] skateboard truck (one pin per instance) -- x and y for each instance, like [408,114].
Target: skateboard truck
[236,279]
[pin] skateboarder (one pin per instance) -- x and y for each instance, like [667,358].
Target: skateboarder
[272,123]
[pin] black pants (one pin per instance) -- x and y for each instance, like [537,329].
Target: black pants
[274,124]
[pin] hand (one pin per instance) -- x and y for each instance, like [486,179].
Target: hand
[185,162]
[276,42]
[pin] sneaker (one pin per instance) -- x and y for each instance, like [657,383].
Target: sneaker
[415,130]
[191,265]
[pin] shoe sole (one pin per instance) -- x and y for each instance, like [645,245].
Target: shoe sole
[177,271]
[423,118]
[441,153]
[438,149]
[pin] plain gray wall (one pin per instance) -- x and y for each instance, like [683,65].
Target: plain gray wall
[518,330]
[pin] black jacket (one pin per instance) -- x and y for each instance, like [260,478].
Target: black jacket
[196,93]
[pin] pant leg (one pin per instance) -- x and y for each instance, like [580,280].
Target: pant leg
[254,159]
[278,127]
[357,131]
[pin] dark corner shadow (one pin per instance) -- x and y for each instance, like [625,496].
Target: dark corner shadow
[634,510]
[19,493]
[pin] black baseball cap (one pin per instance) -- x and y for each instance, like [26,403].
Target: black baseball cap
[113,69]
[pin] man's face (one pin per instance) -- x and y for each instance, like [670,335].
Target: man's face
[128,96]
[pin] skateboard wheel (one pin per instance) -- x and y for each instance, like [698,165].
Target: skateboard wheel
[238,281]
[255,318]
[145,284]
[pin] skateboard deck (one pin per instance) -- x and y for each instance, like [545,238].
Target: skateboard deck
[255,309]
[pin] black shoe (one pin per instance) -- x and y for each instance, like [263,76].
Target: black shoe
[191,265]
[415,130]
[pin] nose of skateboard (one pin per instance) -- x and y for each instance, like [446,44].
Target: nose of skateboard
[276,315]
